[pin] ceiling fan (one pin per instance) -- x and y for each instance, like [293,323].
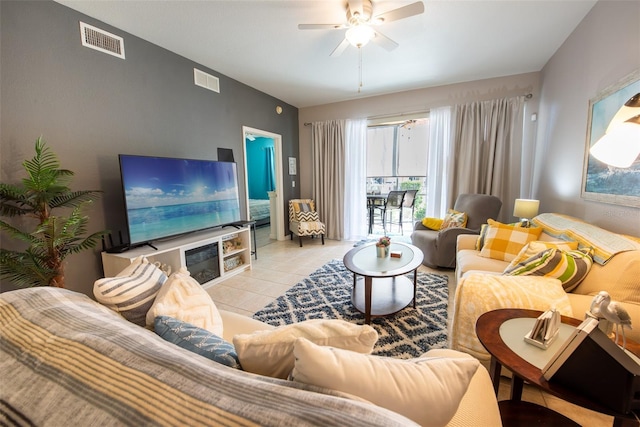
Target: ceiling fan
[361,22]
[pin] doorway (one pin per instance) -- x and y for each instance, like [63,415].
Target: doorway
[264,177]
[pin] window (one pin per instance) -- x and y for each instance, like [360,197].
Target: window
[397,158]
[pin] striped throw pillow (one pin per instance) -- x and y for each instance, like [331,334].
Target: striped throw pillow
[504,242]
[537,246]
[570,267]
[132,292]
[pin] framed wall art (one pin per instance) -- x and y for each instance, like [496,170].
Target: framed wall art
[601,182]
[293,169]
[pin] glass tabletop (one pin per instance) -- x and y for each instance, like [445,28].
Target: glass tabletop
[363,260]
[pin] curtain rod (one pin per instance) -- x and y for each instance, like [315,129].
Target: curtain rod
[526,96]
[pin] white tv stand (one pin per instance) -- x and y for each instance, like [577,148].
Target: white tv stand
[211,256]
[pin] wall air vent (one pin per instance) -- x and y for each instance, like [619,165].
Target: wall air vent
[98,39]
[206,81]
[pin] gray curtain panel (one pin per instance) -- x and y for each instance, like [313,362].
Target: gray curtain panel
[328,148]
[488,150]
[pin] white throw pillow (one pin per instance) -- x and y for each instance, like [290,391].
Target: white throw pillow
[132,292]
[427,390]
[270,352]
[183,298]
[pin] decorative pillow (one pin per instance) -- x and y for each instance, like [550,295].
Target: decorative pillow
[303,207]
[427,390]
[270,352]
[132,291]
[504,242]
[481,237]
[537,246]
[432,223]
[307,216]
[183,298]
[197,340]
[570,267]
[454,218]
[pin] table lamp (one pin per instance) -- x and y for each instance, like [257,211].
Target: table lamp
[525,209]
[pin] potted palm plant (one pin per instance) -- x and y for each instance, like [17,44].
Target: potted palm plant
[50,237]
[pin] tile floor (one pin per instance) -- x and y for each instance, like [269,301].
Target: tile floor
[282,264]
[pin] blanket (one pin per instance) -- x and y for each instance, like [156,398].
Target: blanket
[605,244]
[67,360]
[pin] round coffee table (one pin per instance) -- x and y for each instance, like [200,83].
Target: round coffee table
[382,289]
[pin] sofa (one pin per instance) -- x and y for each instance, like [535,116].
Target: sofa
[69,360]
[482,286]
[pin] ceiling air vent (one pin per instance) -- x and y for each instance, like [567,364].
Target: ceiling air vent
[206,81]
[98,39]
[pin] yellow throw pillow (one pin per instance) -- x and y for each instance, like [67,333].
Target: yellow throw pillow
[504,242]
[537,246]
[454,218]
[432,223]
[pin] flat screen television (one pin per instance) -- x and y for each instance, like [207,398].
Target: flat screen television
[165,197]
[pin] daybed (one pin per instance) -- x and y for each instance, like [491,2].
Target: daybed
[68,360]
[481,285]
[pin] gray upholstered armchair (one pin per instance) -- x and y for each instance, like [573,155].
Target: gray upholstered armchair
[439,246]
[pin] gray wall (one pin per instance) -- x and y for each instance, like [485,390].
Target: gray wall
[604,48]
[90,107]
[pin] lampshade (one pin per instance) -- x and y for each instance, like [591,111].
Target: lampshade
[359,35]
[526,208]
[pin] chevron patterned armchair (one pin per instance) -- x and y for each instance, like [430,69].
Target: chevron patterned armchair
[303,219]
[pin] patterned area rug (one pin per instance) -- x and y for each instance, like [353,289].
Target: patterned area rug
[326,294]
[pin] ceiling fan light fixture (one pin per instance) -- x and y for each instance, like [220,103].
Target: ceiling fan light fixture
[360,35]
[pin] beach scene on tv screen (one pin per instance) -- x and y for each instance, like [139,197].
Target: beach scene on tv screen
[166,197]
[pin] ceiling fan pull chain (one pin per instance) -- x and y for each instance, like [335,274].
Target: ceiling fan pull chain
[359,69]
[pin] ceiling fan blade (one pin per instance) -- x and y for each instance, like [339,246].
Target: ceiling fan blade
[321,26]
[340,48]
[400,13]
[384,41]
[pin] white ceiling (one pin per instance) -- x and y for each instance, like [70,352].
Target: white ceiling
[258,43]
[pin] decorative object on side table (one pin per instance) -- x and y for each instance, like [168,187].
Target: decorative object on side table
[545,329]
[50,236]
[382,247]
[603,308]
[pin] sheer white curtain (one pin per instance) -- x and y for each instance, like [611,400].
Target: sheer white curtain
[328,149]
[439,162]
[487,147]
[355,194]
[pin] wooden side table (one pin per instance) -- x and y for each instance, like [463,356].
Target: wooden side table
[500,346]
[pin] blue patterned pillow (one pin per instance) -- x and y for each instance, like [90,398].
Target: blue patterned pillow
[197,340]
